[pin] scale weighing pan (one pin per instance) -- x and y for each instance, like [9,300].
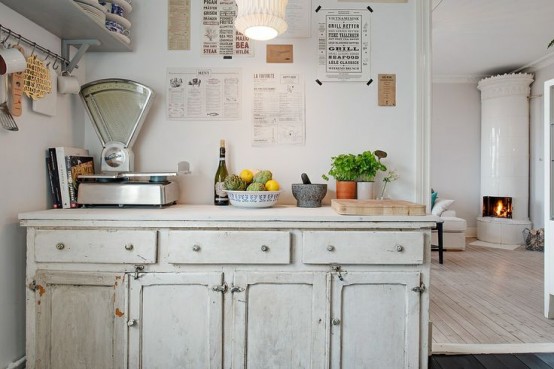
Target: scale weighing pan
[117,109]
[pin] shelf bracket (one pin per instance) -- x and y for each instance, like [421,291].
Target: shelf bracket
[82,47]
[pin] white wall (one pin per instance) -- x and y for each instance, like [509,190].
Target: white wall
[536,146]
[24,187]
[538,159]
[340,117]
[456,147]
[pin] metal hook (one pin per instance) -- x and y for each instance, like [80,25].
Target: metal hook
[34,47]
[18,40]
[47,57]
[55,67]
[8,36]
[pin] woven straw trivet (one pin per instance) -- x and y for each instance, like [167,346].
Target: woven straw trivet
[36,82]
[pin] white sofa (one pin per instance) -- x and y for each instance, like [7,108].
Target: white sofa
[453,231]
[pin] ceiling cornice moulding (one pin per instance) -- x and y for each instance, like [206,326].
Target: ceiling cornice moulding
[470,79]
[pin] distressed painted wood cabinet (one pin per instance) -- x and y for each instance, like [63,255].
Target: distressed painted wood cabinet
[209,287]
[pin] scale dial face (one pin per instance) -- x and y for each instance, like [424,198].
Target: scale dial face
[117,108]
[115,157]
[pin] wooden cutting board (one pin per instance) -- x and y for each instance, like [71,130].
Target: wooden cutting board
[377,207]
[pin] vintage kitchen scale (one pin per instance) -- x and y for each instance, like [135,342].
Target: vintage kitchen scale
[117,109]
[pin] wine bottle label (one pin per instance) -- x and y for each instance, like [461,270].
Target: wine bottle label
[219,190]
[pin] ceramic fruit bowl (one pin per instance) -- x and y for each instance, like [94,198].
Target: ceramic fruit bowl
[253,199]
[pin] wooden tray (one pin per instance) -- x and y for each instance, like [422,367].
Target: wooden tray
[377,207]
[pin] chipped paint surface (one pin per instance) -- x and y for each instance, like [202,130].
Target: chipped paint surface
[119,313]
[41,290]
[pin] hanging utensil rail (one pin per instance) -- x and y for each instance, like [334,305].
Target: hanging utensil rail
[8,33]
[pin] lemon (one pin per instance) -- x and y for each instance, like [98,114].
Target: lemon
[246,175]
[272,185]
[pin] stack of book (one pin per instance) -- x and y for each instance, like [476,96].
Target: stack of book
[64,165]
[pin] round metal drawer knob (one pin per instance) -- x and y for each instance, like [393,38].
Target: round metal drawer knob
[129,247]
[265,248]
[60,246]
[196,248]
[399,248]
[330,248]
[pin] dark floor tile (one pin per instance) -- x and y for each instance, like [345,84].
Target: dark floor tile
[511,361]
[459,362]
[433,363]
[548,358]
[491,362]
[533,361]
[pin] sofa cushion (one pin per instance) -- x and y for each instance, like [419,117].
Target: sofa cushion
[453,224]
[440,206]
[449,213]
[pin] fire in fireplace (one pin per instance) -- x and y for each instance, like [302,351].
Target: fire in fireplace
[498,207]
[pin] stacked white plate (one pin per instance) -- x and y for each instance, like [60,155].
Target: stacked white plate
[120,20]
[126,5]
[94,10]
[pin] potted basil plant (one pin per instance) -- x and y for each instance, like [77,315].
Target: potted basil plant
[368,164]
[344,168]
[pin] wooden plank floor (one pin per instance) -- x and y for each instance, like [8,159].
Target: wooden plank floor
[495,361]
[488,296]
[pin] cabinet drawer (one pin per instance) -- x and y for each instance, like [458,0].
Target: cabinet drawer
[232,247]
[363,247]
[96,246]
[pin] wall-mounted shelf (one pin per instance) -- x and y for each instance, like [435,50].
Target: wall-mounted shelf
[66,19]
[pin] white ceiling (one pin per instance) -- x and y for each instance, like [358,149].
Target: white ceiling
[476,38]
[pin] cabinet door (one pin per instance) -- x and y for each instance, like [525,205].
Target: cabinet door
[175,321]
[80,320]
[279,320]
[375,320]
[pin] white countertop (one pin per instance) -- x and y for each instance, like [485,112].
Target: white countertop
[282,213]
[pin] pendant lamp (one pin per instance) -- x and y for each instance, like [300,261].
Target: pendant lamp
[261,19]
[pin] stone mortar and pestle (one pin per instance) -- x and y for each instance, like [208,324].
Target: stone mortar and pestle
[308,194]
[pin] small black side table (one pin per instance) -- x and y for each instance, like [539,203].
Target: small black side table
[440,246]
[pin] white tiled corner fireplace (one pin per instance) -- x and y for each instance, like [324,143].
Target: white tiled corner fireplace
[504,158]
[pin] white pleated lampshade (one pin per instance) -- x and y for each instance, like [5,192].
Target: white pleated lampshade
[261,19]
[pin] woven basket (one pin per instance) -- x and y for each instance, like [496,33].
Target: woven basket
[534,239]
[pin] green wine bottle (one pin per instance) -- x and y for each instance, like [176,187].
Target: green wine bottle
[220,196]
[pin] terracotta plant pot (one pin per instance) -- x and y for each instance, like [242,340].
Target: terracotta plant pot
[346,189]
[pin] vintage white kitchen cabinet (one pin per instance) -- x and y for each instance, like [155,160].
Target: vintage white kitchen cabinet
[76,322]
[209,287]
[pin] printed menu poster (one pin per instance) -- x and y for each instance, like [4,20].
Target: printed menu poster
[344,45]
[278,109]
[204,94]
[299,19]
[219,36]
[178,25]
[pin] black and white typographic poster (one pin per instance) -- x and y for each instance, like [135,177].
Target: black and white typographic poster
[219,36]
[344,45]
[204,94]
